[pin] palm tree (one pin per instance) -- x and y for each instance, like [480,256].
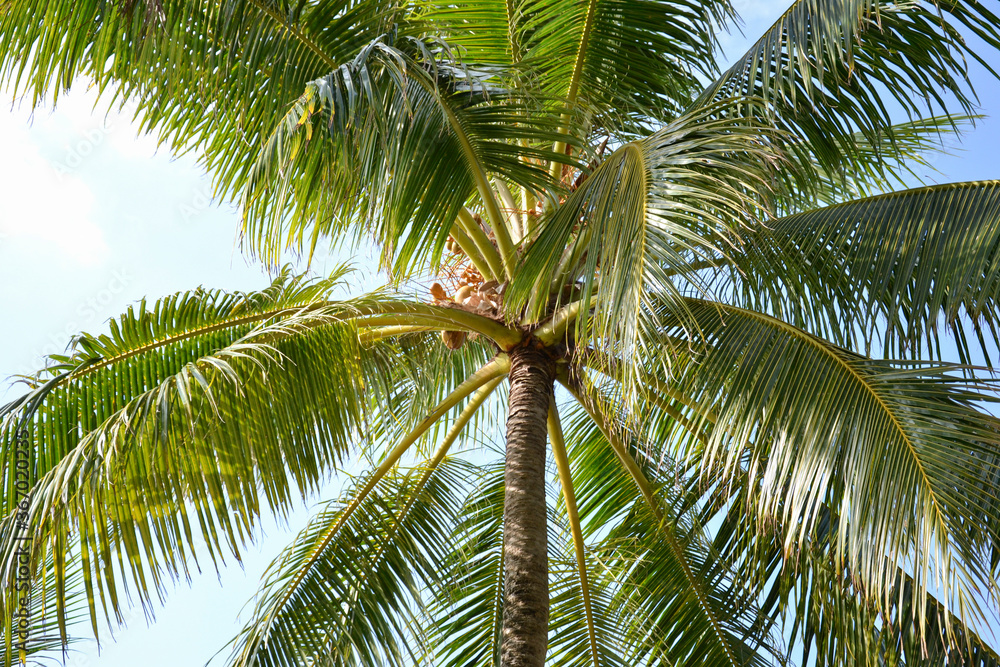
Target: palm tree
[757,439]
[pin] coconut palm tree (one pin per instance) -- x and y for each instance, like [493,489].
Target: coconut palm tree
[708,328]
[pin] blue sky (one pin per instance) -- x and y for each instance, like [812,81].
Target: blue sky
[94,217]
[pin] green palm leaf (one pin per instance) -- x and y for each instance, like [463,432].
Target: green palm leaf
[829,68]
[898,265]
[624,62]
[823,611]
[45,629]
[900,157]
[656,208]
[357,597]
[468,611]
[489,32]
[681,605]
[743,472]
[584,631]
[241,62]
[324,567]
[800,416]
[196,408]
[390,147]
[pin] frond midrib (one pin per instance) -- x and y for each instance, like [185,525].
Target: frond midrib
[558,444]
[828,351]
[581,53]
[191,333]
[264,315]
[515,48]
[640,480]
[295,32]
[899,194]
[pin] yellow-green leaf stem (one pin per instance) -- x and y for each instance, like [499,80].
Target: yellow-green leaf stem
[566,481]
[528,202]
[372,335]
[486,193]
[475,402]
[494,370]
[514,222]
[570,261]
[424,314]
[631,467]
[555,329]
[405,313]
[486,248]
[515,47]
[666,528]
[471,251]
[478,398]
[574,85]
[290,27]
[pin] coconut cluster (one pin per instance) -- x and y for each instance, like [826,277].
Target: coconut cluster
[472,293]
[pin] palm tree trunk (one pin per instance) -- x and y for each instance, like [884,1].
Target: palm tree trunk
[526,589]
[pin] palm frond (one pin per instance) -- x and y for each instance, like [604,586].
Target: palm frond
[38,630]
[489,32]
[586,627]
[901,157]
[179,425]
[625,63]
[355,599]
[239,63]
[829,68]
[898,450]
[835,624]
[391,146]
[679,598]
[468,611]
[286,622]
[821,611]
[653,209]
[886,271]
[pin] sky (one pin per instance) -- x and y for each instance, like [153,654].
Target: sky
[94,218]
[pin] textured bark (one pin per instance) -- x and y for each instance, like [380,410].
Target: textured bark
[526,589]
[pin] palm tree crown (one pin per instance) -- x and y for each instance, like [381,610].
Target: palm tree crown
[756,442]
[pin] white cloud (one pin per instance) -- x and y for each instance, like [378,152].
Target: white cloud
[45,173]
[127,143]
[42,200]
